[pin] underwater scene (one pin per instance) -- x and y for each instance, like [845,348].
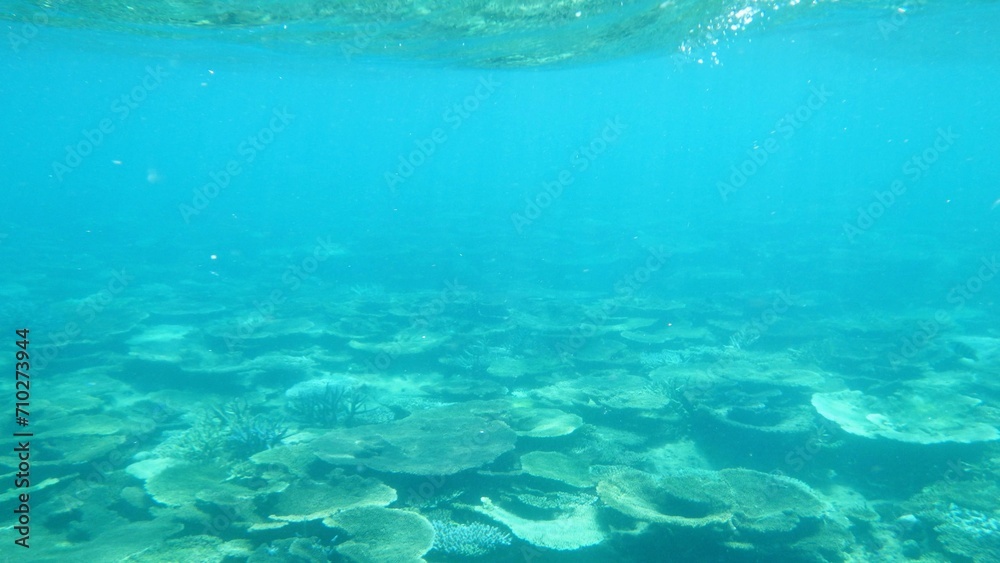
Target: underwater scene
[500,281]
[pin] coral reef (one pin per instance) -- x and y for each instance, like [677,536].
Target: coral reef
[293,550]
[559,467]
[248,433]
[540,422]
[643,439]
[310,500]
[924,413]
[569,525]
[740,501]
[970,533]
[439,441]
[468,540]
[380,534]
[231,431]
[653,360]
[327,403]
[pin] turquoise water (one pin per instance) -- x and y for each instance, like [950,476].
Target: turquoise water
[292,304]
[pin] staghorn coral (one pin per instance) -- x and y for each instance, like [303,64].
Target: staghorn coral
[327,404]
[248,433]
[231,430]
[204,441]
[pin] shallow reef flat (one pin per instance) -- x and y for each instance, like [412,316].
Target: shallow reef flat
[392,424]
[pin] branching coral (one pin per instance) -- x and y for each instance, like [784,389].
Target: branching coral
[247,433]
[223,438]
[205,440]
[468,540]
[329,406]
